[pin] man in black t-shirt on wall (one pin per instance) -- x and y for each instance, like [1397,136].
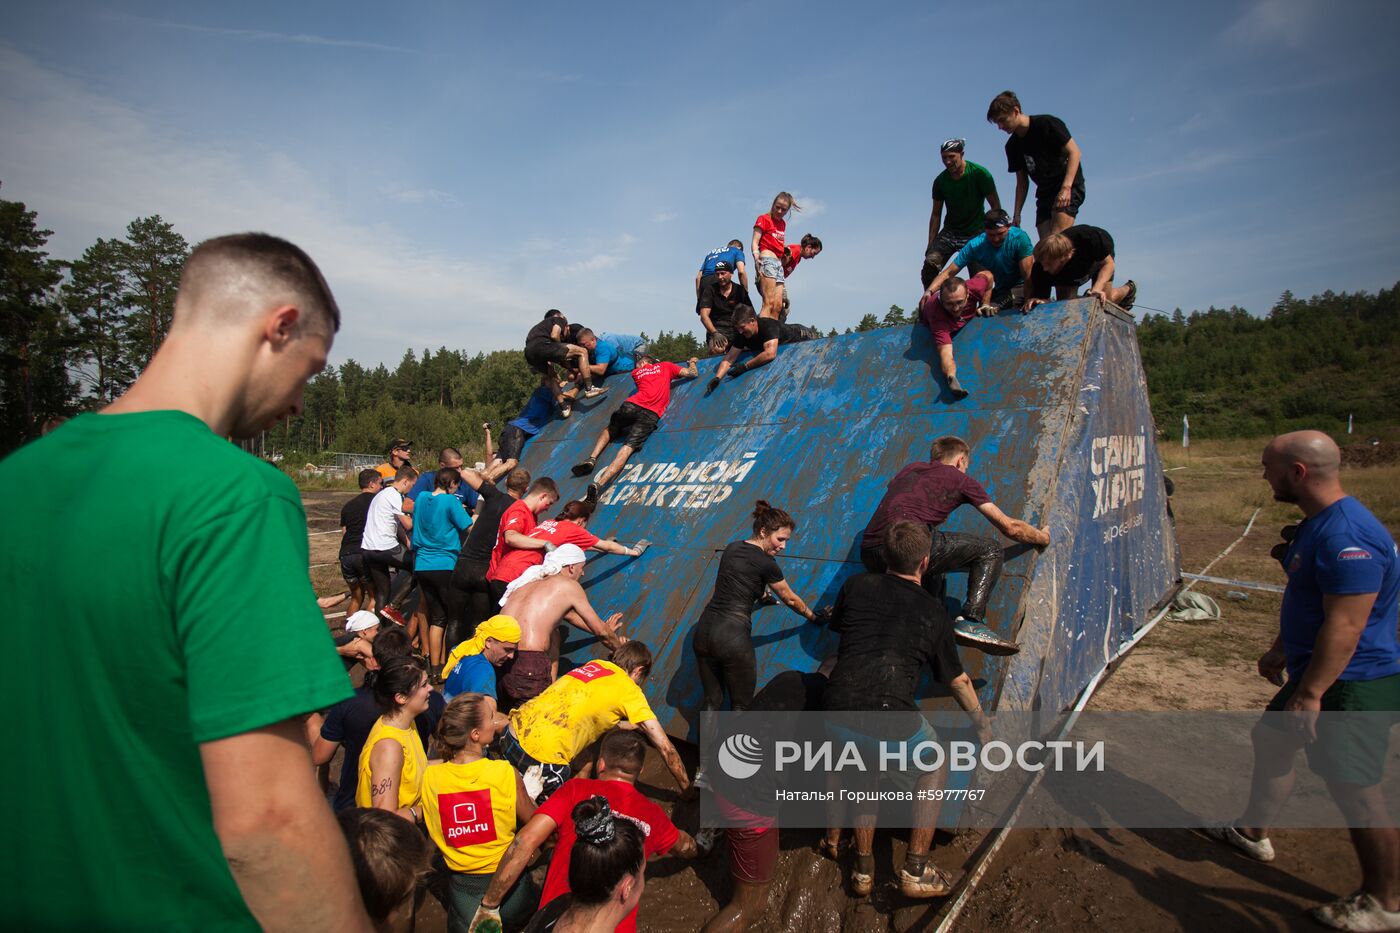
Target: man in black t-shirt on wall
[927,493]
[759,336]
[720,302]
[892,630]
[352,529]
[1082,254]
[1042,148]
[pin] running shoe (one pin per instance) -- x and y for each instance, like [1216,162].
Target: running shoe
[1261,851]
[861,883]
[979,635]
[591,497]
[594,391]
[1360,911]
[586,467]
[932,883]
[566,407]
[393,615]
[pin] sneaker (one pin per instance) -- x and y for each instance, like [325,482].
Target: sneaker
[1360,911]
[705,839]
[932,883]
[1129,299]
[1261,851]
[979,635]
[591,497]
[393,615]
[566,408]
[586,467]
[594,391]
[861,883]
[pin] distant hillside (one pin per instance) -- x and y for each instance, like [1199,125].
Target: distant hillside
[1308,363]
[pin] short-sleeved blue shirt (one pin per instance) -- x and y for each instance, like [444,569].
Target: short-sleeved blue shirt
[730,254]
[1342,550]
[1004,261]
[465,494]
[538,410]
[472,674]
[618,352]
[438,523]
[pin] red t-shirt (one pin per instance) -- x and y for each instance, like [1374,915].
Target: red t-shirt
[773,234]
[556,532]
[944,325]
[626,801]
[792,255]
[517,517]
[654,386]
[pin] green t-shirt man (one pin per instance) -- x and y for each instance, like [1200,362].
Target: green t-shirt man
[159,599]
[964,199]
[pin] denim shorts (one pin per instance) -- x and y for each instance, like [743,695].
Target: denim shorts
[772,268]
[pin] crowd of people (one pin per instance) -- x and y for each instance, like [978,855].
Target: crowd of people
[201,709]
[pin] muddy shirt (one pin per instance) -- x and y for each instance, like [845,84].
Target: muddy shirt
[922,492]
[891,631]
[744,572]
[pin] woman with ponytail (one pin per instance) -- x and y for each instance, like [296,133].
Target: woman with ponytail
[471,806]
[392,760]
[724,636]
[607,873]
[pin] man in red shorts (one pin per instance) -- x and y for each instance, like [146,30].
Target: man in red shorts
[620,757]
[947,311]
[635,420]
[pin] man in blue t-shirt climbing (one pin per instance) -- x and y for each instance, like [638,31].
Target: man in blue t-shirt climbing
[612,353]
[1337,642]
[538,410]
[732,253]
[1001,249]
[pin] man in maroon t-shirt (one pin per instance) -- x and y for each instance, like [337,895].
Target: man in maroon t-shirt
[620,757]
[634,419]
[928,493]
[947,311]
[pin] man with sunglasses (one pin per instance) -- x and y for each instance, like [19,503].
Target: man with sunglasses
[963,187]
[400,452]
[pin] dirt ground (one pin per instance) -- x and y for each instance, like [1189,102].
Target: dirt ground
[1146,880]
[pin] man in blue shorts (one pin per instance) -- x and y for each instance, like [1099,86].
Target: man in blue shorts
[1337,642]
[1001,249]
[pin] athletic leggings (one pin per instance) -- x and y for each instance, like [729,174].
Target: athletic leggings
[724,651]
[473,599]
[378,563]
[437,594]
[981,557]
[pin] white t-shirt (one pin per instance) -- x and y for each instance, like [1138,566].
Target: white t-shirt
[382,522]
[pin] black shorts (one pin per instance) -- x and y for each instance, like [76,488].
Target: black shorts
[632,424]
[352,568]
[512,443]
[1045,201]
[796,333]
[543,352]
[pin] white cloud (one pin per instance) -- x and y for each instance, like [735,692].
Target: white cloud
[405,195]
[259,35]
[661,217]
[89,164]
[1273,22]
[595,263]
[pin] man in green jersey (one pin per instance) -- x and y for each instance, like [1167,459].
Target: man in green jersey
[961,188]
[161,762]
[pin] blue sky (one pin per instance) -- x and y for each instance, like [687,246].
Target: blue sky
[457,168]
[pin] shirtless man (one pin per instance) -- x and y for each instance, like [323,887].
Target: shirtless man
[541,599]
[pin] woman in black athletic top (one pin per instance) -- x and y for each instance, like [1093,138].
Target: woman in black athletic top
[724,636]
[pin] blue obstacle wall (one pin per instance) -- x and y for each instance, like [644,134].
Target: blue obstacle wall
[1061,434]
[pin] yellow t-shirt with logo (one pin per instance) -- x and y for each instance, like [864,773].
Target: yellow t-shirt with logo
[470,812]
[576,710]
[415,762]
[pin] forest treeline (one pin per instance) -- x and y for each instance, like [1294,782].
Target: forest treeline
[76,333]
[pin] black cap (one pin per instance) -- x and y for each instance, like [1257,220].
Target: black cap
[723,266]
[403,442]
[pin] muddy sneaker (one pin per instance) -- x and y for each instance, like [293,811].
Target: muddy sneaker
[1360,911]
[591,497]
[1129,299]
[705,839]
[594,391]
[393,615]
[932,883]
[978,635]
[586,467]
[861,883]
[1261,851]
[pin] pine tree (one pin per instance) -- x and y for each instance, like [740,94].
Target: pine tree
[153,256]
[96,300]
